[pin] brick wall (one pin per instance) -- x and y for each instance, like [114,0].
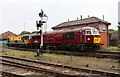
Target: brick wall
[7,34]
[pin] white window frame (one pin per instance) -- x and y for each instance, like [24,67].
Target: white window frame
[103,28]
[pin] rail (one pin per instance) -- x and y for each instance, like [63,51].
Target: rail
[97,54]
[92,71]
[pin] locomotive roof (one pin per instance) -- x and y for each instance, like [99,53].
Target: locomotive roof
[59,31]
[34,34]
[82,21]
[76,29]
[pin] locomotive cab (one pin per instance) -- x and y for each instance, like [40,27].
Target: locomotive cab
[25,40]
[91,38]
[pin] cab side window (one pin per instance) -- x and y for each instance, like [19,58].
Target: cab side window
[88,32]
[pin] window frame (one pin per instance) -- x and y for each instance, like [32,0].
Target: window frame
[103,28]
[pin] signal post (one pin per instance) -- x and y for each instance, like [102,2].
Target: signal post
[39,25]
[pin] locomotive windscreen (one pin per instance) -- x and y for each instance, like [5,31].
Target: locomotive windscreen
[25,37]
[95,32]
[36,37]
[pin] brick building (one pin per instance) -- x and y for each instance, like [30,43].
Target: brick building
[7,34]
[95,22]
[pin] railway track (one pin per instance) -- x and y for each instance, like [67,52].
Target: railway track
[58,70]
[47,68]
[97,54]
[7,74]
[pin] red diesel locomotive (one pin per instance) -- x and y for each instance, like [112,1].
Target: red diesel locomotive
[76,39]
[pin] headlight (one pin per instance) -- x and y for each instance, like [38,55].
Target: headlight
[35,41]
[88,38]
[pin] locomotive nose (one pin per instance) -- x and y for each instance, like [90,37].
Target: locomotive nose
[97,40]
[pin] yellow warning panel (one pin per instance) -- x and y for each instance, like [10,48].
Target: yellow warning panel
[11,38]
[16,38]
[97,40]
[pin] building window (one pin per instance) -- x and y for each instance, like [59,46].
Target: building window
[95,26]
[68,36]
[102,28]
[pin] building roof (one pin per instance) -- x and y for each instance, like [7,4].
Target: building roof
[7,34]
[80,22]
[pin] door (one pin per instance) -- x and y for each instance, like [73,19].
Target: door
[83,37]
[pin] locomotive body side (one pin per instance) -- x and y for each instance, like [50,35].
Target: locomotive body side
[81,39]
[18,41]
[15,41]
[34,41]
[85,38]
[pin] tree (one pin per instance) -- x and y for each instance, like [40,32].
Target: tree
[24,32]
[118,27]
[34,32]
[118,30]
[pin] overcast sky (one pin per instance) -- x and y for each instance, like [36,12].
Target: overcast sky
[119,11]
[17,15]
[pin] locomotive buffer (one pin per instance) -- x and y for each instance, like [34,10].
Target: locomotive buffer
[39,26]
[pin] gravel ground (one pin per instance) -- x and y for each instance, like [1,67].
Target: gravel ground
[51,68]
[83,62]
[18,71]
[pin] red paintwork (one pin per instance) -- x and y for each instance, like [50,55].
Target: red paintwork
[34,41]
[56,37]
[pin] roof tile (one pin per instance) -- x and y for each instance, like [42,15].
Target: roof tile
[82,21]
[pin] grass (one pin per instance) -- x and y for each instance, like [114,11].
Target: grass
[17,53]
[77,61]
[112,48]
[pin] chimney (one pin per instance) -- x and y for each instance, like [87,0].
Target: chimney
[68,19]
[81,17]
[103,17]
[77,18]
[88,16]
